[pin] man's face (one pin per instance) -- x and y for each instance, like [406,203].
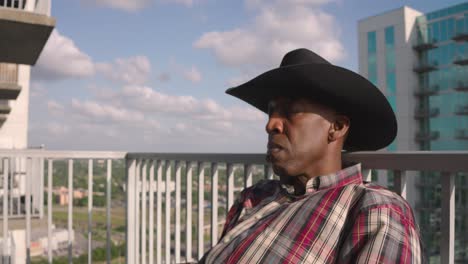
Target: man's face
[298,132]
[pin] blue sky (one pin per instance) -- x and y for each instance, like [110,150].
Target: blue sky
[150,75]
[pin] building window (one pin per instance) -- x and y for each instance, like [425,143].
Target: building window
[390,77]
[390,74]
[372,56]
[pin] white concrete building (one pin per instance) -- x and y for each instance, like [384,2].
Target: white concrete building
[25,26]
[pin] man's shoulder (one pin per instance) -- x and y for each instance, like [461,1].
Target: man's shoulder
[376,197]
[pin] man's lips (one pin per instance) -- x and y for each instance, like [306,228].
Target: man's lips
[274,147]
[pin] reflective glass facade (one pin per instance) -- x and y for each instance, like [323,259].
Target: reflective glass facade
[445,125]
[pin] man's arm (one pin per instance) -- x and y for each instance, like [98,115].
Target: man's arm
[383,234]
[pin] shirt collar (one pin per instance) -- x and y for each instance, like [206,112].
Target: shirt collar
[349,175]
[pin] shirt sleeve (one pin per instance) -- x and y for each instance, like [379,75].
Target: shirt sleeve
[383,234]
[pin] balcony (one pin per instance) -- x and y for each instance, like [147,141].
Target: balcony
[424,45]
[461,134]
[9,88]
[162,221]
[427,136]
[461,110]
[461,60]
[25,26]
[427,91]
[424,113]
[4,107]
[425,67]
[461,86]
[461,36]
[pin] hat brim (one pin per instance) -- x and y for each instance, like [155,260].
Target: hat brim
[373,122]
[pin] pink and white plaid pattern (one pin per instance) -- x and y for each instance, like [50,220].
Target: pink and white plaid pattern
[340,219]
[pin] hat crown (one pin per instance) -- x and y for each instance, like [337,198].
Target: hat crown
[302,56]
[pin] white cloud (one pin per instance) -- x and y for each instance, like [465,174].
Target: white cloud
[125,5]
[37,90]
[61,59]
[193,75]
[99,111]
[54,107]
[133,70]
[187,3]
[140,118]
[254,4]
[57,129]
[278,27]
[164,77]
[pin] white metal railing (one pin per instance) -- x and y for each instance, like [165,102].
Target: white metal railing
[36,6]
[169,215]
[7,250]
[39,157]
[8,73]
[149,175]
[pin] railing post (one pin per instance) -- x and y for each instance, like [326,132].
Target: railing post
[5,211]
[268,170]
[29,6]
[168,212]
[151,213]
[41,188]
[188,226]
[178,168]
[400,181]
[49,208]
[447,246]
[130,208]
[143,213]
[70,210]
[248,171]
[137,210]
[201,218]
[90,211]
[28,209]
[214,204]
[159,213]
[108,209]
[230,186]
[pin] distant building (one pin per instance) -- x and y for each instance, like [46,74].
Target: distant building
[59,241]
[62,194]
[420,62]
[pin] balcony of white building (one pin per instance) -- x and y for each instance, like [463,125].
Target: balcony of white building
[25,26]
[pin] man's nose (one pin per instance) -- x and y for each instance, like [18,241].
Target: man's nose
[274,125]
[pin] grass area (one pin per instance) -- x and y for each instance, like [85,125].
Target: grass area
[80,216]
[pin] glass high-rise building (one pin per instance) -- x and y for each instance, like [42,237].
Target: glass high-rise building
[420,62]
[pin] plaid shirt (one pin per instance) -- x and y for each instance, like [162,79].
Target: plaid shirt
[339,219]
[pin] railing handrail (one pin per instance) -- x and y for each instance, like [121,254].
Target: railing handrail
[36,6]
[449,161]
[62,154]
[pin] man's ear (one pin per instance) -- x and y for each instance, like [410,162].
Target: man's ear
[339,128]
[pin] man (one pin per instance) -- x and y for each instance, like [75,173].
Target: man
[320,211]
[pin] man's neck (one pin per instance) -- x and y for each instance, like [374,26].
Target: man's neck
[328,165]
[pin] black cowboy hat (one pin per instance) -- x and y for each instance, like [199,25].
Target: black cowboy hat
[303,73]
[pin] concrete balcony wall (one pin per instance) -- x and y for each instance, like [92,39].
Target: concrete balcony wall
[24,32]
[9,88]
